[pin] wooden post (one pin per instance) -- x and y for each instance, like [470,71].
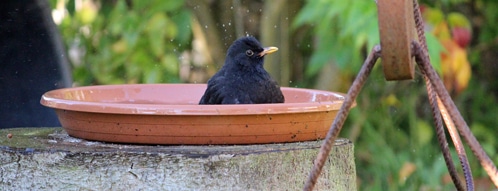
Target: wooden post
[49,159]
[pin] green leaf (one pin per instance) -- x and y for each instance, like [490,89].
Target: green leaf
[343,29]
[435,50]
[166,6]
[141,4]
[182,20]
[115,19]
[317,61]
[170,63]
[307,14]
[425,133]
[458,20]
[152,75]
[156,33]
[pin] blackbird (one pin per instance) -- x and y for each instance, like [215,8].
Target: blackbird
[242,79]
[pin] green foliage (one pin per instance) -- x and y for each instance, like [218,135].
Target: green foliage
[127,41]
[344,31]
[342,28]
[392,124]
[397,131]
[435,48]
[490,28]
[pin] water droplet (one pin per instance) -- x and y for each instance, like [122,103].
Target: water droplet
[231,7]
[223,25]
[229,23]
[275,26]
[290,81]
[205,26]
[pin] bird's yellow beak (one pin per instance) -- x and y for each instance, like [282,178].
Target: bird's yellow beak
[268,50]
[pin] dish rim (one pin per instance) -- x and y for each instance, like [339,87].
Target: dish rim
[49,99]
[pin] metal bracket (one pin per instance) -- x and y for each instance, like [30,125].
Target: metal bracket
[397,31]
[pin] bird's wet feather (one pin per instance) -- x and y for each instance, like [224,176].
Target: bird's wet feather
[242,79]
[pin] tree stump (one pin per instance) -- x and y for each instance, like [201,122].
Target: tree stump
[49,159]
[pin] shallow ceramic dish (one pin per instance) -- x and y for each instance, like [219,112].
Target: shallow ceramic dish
[169,114]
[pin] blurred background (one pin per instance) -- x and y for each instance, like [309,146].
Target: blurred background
[322,45]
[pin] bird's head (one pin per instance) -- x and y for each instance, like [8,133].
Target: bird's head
[248,52]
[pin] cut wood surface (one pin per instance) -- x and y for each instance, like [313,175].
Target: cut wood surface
[49,159]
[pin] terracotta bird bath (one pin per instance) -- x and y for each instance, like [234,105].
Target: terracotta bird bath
[170,114]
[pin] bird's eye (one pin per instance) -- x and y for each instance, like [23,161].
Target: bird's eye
[249,53]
